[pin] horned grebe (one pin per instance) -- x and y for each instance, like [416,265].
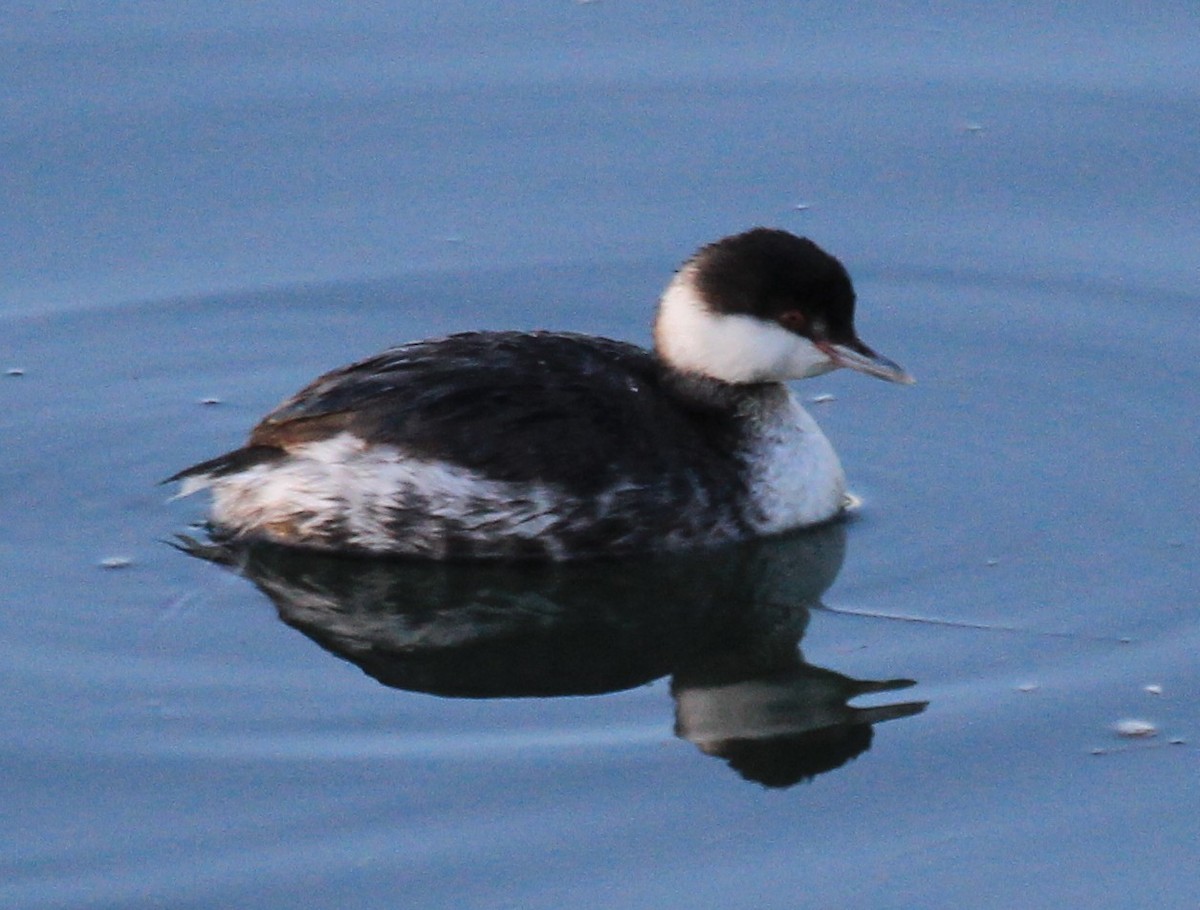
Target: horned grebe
[552,445]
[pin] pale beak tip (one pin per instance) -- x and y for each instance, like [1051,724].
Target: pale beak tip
[864,360]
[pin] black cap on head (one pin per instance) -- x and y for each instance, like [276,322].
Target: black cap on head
[774,275]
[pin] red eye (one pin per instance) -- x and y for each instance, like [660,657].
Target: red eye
[793,321]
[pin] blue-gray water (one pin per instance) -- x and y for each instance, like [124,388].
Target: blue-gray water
[206,202]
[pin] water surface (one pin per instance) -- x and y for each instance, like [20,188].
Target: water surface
[205,204]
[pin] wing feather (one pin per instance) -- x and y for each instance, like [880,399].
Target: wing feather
[574,410]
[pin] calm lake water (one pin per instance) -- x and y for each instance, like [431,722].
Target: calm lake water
[204,206]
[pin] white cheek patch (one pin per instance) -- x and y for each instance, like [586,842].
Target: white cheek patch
[732,348]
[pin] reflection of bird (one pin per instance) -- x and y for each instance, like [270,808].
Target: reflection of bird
[725,624]
[555,446]
[780,724]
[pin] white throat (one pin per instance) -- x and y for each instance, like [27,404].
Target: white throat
[692,336]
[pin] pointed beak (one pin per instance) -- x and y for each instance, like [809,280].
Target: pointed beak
[857,356]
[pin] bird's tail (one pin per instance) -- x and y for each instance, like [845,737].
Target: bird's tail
[201,475]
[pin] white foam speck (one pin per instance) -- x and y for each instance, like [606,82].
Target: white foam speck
[1135,728]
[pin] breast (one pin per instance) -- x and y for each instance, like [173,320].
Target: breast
[796,478]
